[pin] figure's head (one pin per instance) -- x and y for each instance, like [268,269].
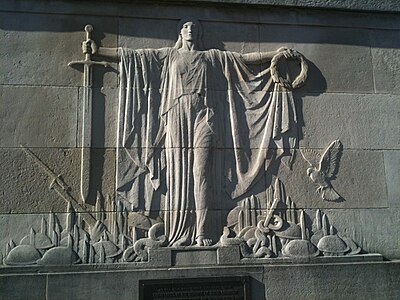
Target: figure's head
[189,29]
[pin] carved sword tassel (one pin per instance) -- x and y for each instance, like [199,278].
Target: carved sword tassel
[86,130]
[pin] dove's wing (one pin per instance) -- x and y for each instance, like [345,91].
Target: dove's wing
[311,156]
[330,159]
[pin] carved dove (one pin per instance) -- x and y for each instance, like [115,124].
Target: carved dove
[325,170]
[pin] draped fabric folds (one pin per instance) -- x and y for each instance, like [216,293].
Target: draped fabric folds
[173,103]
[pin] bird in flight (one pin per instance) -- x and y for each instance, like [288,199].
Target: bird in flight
[325,170]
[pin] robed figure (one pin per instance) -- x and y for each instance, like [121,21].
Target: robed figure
[193,122]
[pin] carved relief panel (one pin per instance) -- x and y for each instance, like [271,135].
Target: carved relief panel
[198,130]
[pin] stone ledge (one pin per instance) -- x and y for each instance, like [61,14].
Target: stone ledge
[193,257]
[372,280]
[388,6]
[360,5]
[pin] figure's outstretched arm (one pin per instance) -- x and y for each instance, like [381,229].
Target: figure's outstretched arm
[108,52]
[256,58]
[90,47]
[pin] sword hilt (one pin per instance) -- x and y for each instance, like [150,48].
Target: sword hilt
[89,29]
[88,61]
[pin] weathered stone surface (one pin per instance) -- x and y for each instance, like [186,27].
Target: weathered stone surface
[338,4]
[146,33]
[372,229]
[360,181]
[229,255]
[337,102]
[37,51]
[163,33]
[23,287]
[241,38]
[322,46]
[382,225]
[38,116]
[231,13]
[86,286]
[25,185]
[104,117]
[360,121]
[365,5]
[386,60]
[354,280]
[160,257]
[193,257]
[392,167]
[367,281]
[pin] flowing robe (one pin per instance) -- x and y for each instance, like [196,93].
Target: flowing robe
[177,106]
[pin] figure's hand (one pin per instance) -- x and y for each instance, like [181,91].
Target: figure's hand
[282,49]
[287,52]
[89,47]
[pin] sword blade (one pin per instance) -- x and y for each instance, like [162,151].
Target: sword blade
[86,125]
[86,131]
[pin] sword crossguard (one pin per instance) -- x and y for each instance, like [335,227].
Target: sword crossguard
[88,63]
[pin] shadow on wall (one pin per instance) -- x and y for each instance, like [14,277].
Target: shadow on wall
[165,29]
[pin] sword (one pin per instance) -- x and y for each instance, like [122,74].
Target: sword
[86,115]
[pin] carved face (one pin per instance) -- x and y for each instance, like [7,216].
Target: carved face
[189,31]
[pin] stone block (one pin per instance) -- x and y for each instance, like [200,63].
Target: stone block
[231,13]
[363,121]
[368,281]
[37,51]
[104,117]
[321,46]
[194,256]
[360,181]
[319,18]
[240,38]
[229,255]
[160,257]
[386,60]
[25,184]
[19,287]
[93,285]
[392,167]
[379,232]
[38,116]
[147,33]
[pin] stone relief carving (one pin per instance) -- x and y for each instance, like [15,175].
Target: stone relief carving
[278,234]
[198,124]
[86,130]
[280,231]
[324,168]
[194,125]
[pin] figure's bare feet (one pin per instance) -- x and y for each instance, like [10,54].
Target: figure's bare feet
[180,242]
[201,241]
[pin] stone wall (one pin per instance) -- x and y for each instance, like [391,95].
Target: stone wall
[351,94]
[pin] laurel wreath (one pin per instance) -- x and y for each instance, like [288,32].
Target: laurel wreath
[299,80]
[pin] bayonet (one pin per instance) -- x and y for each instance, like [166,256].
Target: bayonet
[62,188]
[56,179]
